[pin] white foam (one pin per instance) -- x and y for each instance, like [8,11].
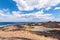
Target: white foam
[4,25]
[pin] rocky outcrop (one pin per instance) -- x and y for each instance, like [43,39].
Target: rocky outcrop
[11,28]
[51,24]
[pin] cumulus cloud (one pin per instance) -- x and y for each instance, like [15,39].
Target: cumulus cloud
[37,15]
[17,16]
[31,4]
[57,8]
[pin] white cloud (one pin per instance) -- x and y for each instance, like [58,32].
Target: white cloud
[17,16]
[57,8]
[56,19]
[31,4]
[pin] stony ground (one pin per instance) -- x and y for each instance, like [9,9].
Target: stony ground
[22,35]
[28,33]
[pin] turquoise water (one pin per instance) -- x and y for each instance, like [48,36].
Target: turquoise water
[12,23]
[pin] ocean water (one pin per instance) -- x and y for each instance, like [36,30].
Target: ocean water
[12,23]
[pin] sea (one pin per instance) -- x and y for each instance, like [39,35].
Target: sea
[2,24]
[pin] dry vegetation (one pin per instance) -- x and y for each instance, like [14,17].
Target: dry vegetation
[23,34]
[26,32]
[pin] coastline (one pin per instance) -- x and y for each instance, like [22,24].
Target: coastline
[34,31]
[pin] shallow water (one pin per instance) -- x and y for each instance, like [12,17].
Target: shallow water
[2,24]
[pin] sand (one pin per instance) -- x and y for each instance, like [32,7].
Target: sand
[23,34]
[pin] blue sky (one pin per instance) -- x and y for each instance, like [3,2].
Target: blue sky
[29,10]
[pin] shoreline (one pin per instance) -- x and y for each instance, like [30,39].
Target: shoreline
[36,31]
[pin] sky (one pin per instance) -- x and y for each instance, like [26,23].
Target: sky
[29,10]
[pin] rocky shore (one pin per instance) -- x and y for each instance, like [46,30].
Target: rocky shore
[35,31]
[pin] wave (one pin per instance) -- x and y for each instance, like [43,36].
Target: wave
[5,25]
[2,24]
